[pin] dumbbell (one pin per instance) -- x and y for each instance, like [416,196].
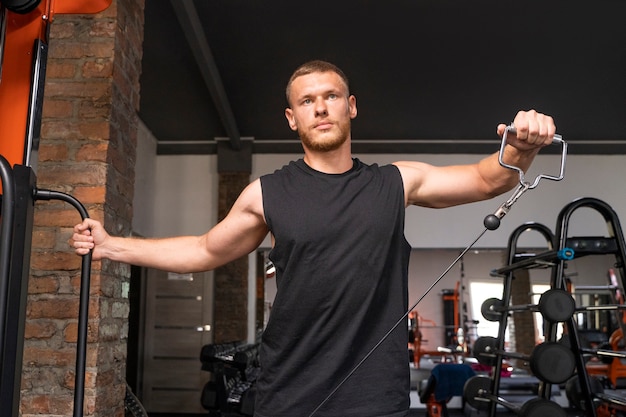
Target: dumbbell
[555,305]
[477,392]
[246,356]
[551,362]
[606,355]
[574,393]
[209,398]
[604,351]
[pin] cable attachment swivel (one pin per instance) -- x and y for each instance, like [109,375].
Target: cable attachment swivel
[492,221]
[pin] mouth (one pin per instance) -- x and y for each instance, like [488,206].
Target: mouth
[324,125]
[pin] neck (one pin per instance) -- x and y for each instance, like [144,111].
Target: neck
[337,161]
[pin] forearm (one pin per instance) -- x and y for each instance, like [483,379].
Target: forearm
[499,179]
[177,254]
[237,235]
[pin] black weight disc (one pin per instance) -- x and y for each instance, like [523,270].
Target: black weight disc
[475,391]
[552,362]
[557,305]
[484,350]
[489,309]
[21,6]
[540,407]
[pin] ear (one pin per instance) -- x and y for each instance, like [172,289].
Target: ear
[291,119]
[352,106]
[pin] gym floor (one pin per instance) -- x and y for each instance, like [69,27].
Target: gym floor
[412,413]
[455,404]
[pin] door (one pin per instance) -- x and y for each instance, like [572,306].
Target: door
[179,322]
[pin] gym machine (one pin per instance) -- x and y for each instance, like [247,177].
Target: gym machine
[551,362]
[456,344]
[555,362]
[234,369]
[24,28]
[594,401]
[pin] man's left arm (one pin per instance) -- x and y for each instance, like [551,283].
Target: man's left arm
[438,187]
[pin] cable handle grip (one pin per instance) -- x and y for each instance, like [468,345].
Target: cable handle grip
[556,140]
[492,221]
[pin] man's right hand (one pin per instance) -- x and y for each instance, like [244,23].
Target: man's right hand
[88,235]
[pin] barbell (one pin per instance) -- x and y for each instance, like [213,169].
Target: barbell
[555,305]
[477,392]
[551,362]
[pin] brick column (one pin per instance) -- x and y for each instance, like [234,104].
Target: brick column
[524,321]
[88,150]
[231,280]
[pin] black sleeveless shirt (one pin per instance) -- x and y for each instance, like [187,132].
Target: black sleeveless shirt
[341,272]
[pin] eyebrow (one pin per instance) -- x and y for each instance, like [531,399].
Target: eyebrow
[324,93]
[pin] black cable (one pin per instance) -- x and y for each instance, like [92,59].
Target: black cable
[400,321]
[491,222]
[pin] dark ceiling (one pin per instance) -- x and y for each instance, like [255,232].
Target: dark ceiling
[429,75]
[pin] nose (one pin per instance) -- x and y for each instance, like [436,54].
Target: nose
[320,108]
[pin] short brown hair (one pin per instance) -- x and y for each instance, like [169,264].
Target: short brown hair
[312,67]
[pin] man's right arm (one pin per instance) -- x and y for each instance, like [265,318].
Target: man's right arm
[238,234]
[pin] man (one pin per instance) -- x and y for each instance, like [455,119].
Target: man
[337,228]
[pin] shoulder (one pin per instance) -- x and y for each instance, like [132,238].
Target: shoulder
[251,199]
[375,168]
[272,179]
[290,167]
[412,172]
[414,175]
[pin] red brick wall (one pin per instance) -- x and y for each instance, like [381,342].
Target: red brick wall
[230,305]
[524,321]
[88,150]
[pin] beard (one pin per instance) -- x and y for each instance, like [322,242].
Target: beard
[325,141]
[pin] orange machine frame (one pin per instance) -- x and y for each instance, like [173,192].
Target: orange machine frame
[21,32]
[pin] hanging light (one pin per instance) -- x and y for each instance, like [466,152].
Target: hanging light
[270,269]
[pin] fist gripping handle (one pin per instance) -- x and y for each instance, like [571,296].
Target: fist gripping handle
[492,221]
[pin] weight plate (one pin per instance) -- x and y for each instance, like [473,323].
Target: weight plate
[489,309]
[540,407]
[485,350]
[475,391]
[552,362]
[557,305]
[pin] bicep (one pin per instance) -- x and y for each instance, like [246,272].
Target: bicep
[241,231]
[441,186]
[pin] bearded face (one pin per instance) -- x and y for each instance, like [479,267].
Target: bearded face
[321,111]
[321,140]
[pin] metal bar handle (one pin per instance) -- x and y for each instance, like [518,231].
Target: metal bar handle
[7,219]
[556,140]
[83,303]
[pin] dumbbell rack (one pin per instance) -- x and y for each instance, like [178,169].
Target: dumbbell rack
[614,245]
[520,260]
[234,367]
[554,258]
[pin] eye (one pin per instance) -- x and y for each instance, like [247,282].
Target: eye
[307,101]
[332,96]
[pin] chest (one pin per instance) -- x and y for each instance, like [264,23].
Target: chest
[318,212]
